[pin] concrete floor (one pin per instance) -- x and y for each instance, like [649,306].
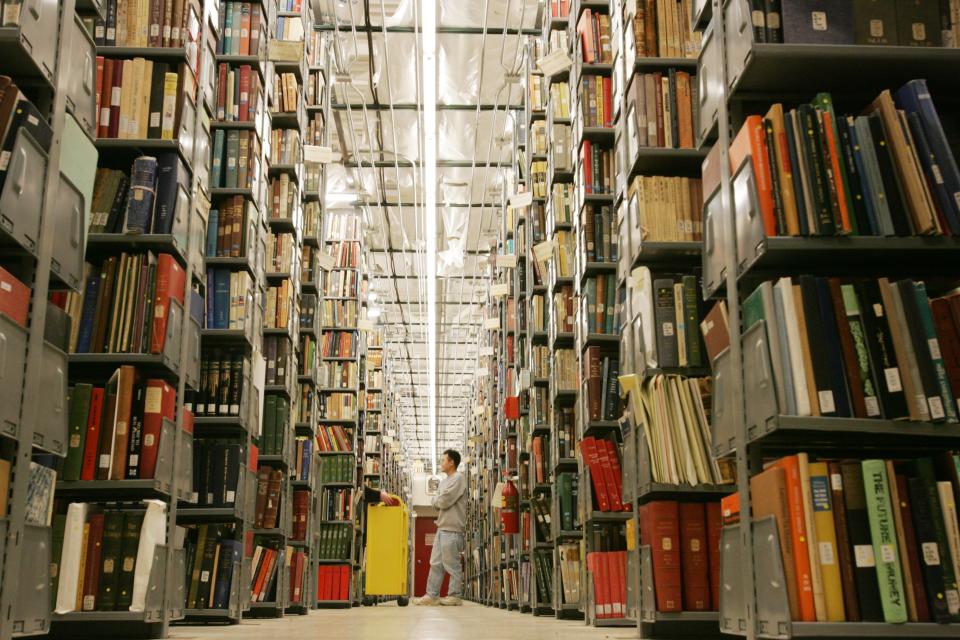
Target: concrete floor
[389,622]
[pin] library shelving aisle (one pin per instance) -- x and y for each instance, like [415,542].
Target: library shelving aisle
[226,408]
[135,331]
[864,427]
[54,144]
[341,349]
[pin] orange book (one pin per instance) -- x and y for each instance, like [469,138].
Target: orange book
[834,151]
[801,555]
[751,143]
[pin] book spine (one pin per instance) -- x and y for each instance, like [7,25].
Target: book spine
[886,555]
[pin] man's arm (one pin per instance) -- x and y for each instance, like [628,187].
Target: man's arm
[445,498]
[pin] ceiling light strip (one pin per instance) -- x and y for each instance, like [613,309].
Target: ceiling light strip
[428,15]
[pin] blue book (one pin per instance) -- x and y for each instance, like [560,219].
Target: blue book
[213,229]
[88,313]
[221,303]
[216,167]
[865,189]
[227,568]
[211,283]
[140,199]
[197,306]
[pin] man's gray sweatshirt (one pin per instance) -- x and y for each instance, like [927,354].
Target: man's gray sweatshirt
[451,500]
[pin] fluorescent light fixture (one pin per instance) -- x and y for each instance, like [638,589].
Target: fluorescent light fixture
[428,13]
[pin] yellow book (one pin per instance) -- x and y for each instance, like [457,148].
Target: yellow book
[816,576]
[143,114]
[168,117]
[827,558]
[83,563]
[126,92]
[133,103]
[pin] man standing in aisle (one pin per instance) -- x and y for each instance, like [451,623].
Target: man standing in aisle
[451,502]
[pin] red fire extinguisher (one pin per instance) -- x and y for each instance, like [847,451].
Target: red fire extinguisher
[510,512]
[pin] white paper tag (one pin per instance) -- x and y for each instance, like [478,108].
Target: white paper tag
[826,401]
[863,555]
[826,553]
[931,554]
[934,346]
[521,199]
[666,543]
[554,62]
[892,376]
[873,406]
[500,290]
[888,553]
[543,251]
[836,482]
[231,496]
[507,261]
[491,323]
[936,407]
[319,155]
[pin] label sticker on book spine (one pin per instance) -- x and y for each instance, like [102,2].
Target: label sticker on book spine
[936,407]
[873,406]
[836,482]
[818,20]
[919,31]
[826,401]
[888,553]
[934,345]
[863,555]
[931,554]
[666,543]
[826,553]
[953,600]
[876,28]
[892,376]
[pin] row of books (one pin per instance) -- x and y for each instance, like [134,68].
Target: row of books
[341,284]
[338,406]
[144,23]
[140,99]
[593,31]
[216,471]
[609,572]
[375,379]
[596,101]
[870,540]
[298,574]
[890,171]
[598,238]
[286,93]
[600,375]
[309,264]
[861,348]
[336,505]
[339,344]
[241,28]
[269,487]
[664,29]
[883,22]
[281,249]
[239,93]
[284,146]
[684,541]
[303,458]
[99,561]
[276,351]
[227,225]
[335,541]
[564,310]
[301,514]
[307,362]
[333,583]
[229,300]
[673,416]
[603,460]
[235,159]
[565,376]
[308,313]
[337,469]
[666,209]
[543,571]
[560,100]
[276,312]
[661,110]
[284,197]
[316,82]
[342,228]
[339,375]
[564,253]
[597,168]
[214,557]
[663,317]
[222,385]
[334,438]
[569,559]
[266,560]
[114,430]
[598,304]
[313,135]
[371,466]
[289,28]
[347,253]
[144,200]
[276,424]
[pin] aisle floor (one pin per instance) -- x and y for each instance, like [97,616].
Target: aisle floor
[390,622]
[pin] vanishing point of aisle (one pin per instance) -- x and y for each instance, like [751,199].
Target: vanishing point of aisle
[390,622]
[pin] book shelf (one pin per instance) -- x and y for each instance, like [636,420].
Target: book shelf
[34,424]
[751,421]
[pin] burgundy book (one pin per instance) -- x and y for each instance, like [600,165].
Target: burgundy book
[660,529]
[695,563]
[91,569]
[714,525]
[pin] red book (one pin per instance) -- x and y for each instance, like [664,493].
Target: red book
[614,455]
[114,99]
[660,529]
[14,298]
[714,526]
[171,281]
[695,563]
[585,30]
[607,103]
[254,457]
[105,91]
[511,408]
[599,602]
[244,107]
[324,588]
[245,21]
[801,555]
[101,63]
[261,569]
[344,582]
[621,557]
[751,143]
[222,72]
[91,570]
[949,341]
[611,480]
[160,403]
[615,578]
[588,453]
[188,419]
[90,446]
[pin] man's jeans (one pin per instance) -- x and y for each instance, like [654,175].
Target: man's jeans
[447,547]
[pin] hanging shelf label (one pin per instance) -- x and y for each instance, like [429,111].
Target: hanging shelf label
[556,62]
[500,290]
[508,261]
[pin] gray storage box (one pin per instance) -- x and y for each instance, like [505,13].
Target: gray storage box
[50,431]
[13,354]
[21,202]
[81,73]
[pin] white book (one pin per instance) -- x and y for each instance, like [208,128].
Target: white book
[784,291]
[153,531]
[70,558]
[785,401]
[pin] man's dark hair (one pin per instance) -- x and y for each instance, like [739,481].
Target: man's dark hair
[454,455]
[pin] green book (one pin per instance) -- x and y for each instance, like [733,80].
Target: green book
[233,152]
[880,512]
[565,490]
[79,403]
[111,554]
[611,304]
[129,546]
[694,355]
[283,417]
[269,424]
[197,566]
[56,549]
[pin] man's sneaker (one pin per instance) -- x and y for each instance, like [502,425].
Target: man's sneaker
[451,601]
[426,601]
